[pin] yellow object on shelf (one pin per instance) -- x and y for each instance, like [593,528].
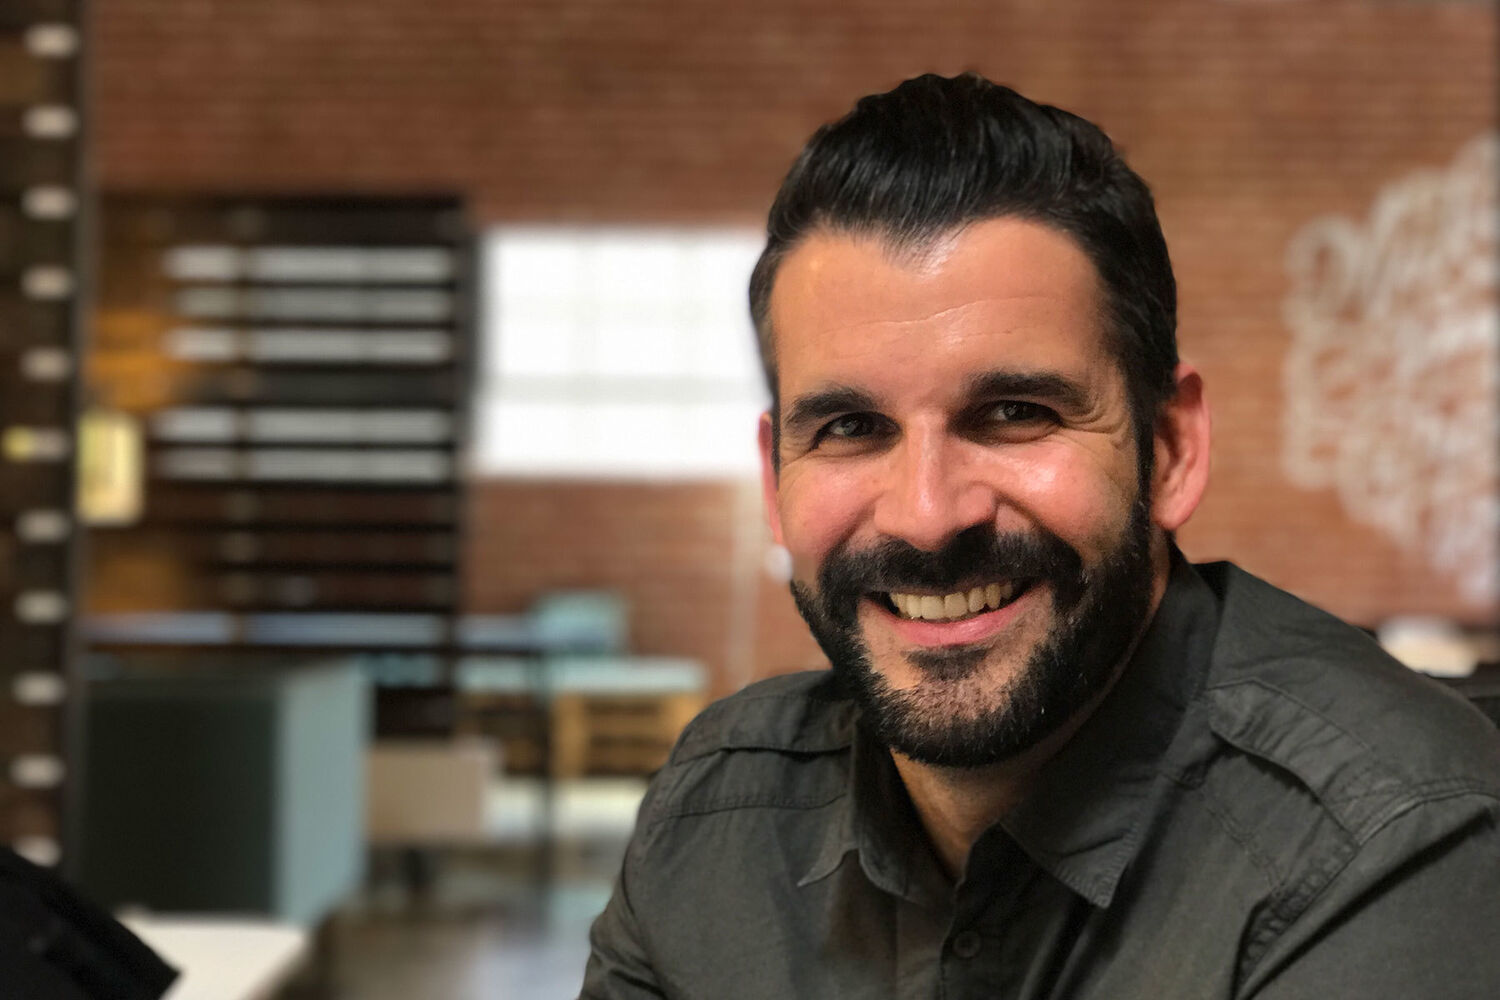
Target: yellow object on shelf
[111,488]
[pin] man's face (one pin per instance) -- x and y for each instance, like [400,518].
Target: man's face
[958,485]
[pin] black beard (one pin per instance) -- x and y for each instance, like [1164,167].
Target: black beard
[1099,612]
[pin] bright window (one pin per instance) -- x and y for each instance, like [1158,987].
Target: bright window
[617,352]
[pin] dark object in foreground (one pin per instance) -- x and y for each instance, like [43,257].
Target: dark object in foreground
[56,945]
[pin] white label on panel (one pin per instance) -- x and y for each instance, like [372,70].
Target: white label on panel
[413,466]
[197,262]
[390,426]
[305,425]
[47,281]
[1390,381]
[43,526]
[36,770]
[41,607]
[52,40]
[39,687]
[410,265]
[350,265]
[192,343]
[35,444]
[331,465]
[209,303]
[410,346]
[292,345]
[196,423]
[49,202]
[333,265]
[198,463]
[414,426]
[49,121]
[410,306]
[46,364]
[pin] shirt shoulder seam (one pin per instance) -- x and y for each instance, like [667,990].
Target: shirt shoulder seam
[1295,902]
[734,803]
[1375,778]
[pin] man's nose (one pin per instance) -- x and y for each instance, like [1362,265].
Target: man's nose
[931,493]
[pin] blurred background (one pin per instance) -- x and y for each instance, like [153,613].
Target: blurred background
[378,405]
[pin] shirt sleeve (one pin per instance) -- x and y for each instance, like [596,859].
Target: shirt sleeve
[618,966]
[1416,913]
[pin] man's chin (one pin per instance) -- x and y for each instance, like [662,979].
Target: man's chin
[955,721]
[974,705]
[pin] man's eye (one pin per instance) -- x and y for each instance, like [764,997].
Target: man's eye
[849,427]
[1016,411]
[1013,420]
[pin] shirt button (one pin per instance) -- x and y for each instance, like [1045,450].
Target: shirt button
[967,944]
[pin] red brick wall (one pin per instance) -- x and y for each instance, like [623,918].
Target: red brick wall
[1249,118]
[688,557]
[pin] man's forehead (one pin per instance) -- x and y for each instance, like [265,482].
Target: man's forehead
[852,293]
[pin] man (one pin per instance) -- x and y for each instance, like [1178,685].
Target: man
[1051,759]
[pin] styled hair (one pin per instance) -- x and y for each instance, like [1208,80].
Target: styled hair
[935,154]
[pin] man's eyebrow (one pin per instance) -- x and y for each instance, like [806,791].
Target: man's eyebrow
[815,407]
[1044,386]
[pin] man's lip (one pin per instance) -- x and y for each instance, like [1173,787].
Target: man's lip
[966,631]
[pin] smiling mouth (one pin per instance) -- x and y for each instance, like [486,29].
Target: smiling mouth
[953,607]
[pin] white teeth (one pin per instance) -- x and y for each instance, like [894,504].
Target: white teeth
[957,605]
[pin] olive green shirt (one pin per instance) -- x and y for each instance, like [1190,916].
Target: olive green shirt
[1264,805]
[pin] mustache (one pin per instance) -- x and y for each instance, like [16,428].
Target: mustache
[977,553]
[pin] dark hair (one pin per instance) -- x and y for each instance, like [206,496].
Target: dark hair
[938,153]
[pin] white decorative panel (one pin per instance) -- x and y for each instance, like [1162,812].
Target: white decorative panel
[1390,380]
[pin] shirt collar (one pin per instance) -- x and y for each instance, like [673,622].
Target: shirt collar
[874,820]
[1092,804]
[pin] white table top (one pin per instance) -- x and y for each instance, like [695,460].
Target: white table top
[222,958]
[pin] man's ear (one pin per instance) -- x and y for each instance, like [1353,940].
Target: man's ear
[1183,432]
[768,475]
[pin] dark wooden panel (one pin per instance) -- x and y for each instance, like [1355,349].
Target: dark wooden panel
[250,507]
[234,506]
[40,144]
